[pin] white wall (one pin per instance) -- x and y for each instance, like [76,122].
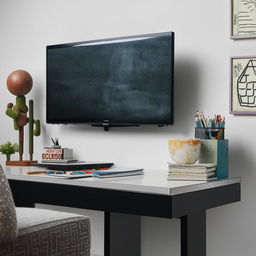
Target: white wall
[202,51]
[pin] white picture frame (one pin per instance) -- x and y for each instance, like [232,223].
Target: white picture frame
[243,19]
[243,85]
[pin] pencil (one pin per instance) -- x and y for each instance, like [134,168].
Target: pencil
[36,172]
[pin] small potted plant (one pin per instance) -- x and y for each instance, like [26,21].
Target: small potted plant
[8,149]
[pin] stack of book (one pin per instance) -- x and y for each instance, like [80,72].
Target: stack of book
[201,171]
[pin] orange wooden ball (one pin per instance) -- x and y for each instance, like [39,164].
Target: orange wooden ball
[19,82]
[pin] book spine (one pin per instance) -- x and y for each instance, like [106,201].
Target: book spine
[52,156]
[57,154]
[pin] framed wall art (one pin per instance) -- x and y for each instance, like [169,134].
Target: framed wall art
[243,19]
[243,85]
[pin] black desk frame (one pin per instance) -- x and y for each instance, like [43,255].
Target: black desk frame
[123,210]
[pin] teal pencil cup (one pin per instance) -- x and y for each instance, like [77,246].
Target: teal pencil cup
[216,151]
[210,133]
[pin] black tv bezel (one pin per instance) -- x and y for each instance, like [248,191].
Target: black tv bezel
[106,123]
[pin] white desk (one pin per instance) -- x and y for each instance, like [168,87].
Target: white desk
[152,182]
[125,199]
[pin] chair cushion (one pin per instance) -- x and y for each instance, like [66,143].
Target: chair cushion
[8,220]
[53,233]
[30,217]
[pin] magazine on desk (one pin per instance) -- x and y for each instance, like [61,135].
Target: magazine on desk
[117,172]
[69,175]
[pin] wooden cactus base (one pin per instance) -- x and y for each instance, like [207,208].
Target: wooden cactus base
[20,163]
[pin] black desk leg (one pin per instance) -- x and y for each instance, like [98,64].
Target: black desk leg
[193,234]
[122,235]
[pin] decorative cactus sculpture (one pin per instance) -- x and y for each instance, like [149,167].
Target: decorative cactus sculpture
[19,83]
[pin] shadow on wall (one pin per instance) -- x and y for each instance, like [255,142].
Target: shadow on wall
[186,100]
[240,162]
[187,82]
[40,107]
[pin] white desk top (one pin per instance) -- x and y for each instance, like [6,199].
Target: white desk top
[153,182]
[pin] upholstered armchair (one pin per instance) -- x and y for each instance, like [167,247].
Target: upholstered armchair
[37,232]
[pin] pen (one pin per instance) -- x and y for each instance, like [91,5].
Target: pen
[53,141]
[219,134]
[36,172]
[77,172]
[210,134]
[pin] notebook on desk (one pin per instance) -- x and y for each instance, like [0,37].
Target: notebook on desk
[70,176]
[117,172]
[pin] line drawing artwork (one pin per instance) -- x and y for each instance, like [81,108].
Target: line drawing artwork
[244,17]
[246,84]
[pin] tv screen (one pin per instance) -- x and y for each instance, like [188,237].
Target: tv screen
[118,81]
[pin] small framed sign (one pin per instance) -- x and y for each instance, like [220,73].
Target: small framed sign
[243,86]
[243,19]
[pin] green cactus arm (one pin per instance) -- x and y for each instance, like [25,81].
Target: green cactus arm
[15,124]
[21,104]
[13,113]
[24,108]
[37,130]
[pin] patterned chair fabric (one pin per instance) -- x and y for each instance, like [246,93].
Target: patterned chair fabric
[49,233]
[37,232]
[8,220]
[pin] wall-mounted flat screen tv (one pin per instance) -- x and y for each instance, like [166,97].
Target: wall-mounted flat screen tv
[116,82]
